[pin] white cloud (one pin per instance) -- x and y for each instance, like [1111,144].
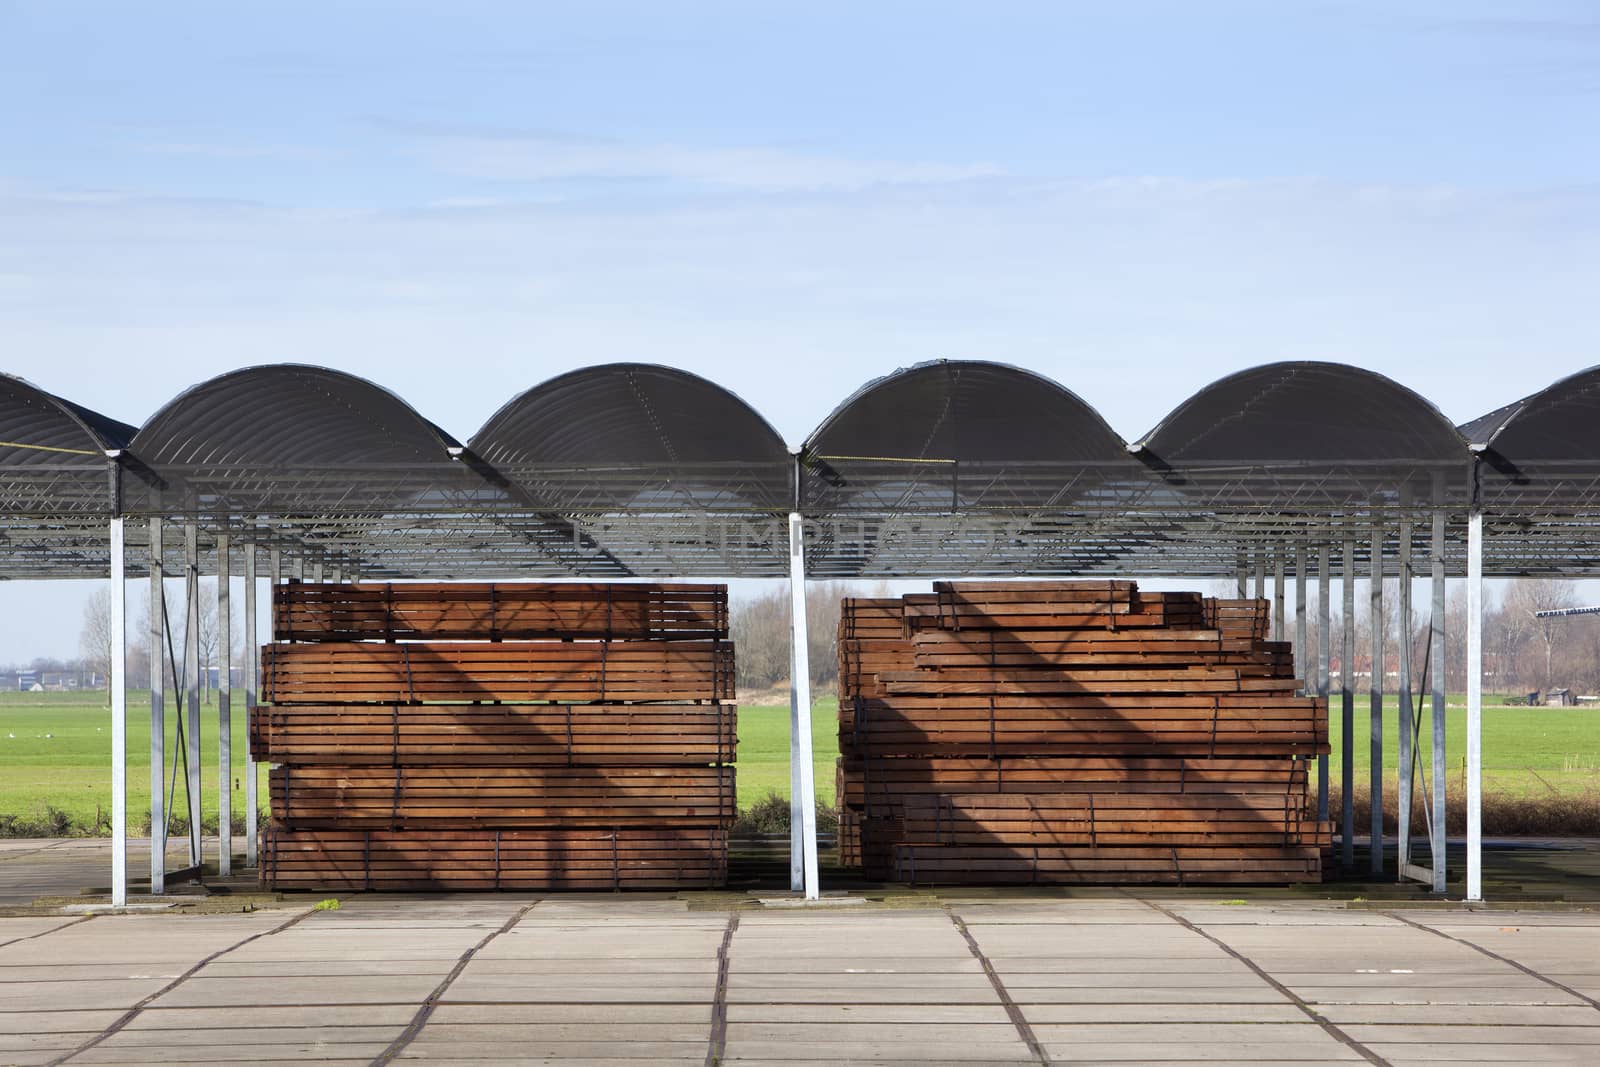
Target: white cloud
[533,157]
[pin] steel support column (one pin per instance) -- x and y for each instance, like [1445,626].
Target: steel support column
[1347,712]
[1475,705]
[1436,657]
[158,714]
[1405,779]
[1324,623]
[252,666]
[1278,632]
[191,671]
[1375,703]
[118,681]
[802,801]
[1301,652]
[224,638]
[1261,574]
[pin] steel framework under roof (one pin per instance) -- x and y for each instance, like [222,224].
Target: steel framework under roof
[951,467]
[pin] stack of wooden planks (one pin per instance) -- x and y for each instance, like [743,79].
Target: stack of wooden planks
[497,736]
[1073,732]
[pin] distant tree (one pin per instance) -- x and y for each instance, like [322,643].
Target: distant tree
[94,639]
[760,628]
[1523,600]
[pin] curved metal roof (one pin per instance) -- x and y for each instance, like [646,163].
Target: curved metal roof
[959,435]
[636,435]
[965,410]
[1305,413]
[53,452]
[956,446]
[290,415]
[290,437]
[1559,424]
[943,468]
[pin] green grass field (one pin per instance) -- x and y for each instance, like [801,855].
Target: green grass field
[1525,750]
[55,751]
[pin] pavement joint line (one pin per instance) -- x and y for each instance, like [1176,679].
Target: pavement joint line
[133,1013]
[1013,1010]
[717,1047]
[1331,1028]
[1529,971]
[425,1009]
[43,933]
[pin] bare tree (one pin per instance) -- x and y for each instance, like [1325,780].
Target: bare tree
[760,627]
[94,639]
[1524,599]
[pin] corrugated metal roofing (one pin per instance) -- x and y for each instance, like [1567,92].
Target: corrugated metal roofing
[941,468]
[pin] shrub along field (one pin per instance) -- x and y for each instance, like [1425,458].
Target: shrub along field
[55,753]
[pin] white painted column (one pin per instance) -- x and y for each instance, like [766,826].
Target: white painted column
[158,714]
[1347,711]
[191,668]
[1475,706]
[118,681]
[1405,777]
[1375,703]
[224,709]
[1302,653]
[1436,656]
[1324,639]
[1277,596]
[252,665]
[803,799]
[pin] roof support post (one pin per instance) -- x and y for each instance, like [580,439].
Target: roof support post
[1375,702]
[191,672]
[158,714]
[1301,649]
[252,666]
[224,708]
[316,569]
[802,797]
[1324,621]
[1436,658]
[1278,633]
[1475,704]
[1347,712]
[1261,573]
[1406,779]
[337,574]
[1242,575]
[118,681]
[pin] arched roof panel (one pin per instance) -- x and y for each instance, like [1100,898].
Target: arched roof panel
[53,453]
[969,439]
[966,410]
[1559,424]
[36,426]
[1305,413]
[636,435]
[288,415]
[293,438]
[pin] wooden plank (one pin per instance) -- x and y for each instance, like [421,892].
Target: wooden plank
[497,610]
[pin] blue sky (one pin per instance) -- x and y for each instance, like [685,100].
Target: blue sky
[462,200]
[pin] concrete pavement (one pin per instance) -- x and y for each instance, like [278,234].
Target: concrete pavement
[629,979]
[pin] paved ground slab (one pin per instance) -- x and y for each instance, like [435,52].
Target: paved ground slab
[602,979]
